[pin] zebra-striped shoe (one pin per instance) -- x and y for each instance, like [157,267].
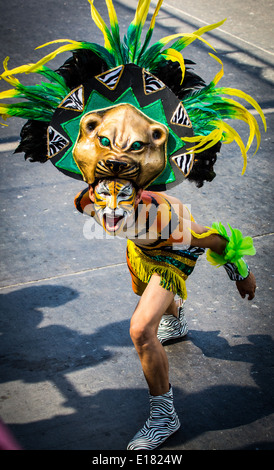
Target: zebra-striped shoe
[162,423]
[171,327]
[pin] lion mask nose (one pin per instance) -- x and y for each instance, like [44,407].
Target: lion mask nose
[116,169]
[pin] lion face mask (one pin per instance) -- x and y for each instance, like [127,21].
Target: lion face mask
[124,123]
[122,142]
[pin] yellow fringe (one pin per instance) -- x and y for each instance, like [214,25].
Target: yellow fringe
[172,278]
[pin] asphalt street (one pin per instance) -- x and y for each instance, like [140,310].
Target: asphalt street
[70,378]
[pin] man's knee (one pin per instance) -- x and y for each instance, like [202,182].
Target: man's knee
[141,333]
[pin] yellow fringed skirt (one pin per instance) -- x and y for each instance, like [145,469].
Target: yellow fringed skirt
[173,267]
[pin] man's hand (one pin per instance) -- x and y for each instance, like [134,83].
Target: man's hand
[247,286]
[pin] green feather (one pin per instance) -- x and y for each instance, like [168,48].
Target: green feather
[53,77]
[150,30]
[28,110]
[237,247]
[135,29]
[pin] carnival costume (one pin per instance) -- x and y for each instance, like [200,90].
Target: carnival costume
[175,126]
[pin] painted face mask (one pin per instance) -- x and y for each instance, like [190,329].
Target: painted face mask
[114,203]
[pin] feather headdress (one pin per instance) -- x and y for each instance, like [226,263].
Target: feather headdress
[196,124]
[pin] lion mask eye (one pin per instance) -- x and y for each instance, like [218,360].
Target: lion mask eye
[104,141]
[137,145]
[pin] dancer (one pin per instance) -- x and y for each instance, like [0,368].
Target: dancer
[132,120]
[163,245]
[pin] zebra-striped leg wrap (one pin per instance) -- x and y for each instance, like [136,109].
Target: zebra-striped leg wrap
[171,327]
[162,423]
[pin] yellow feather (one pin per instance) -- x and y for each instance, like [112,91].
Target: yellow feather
[242,112]
[233,135]
[206,29]
[7,75]
[52,55]
[98,20]
[222,132]
[15,71]
[5,63]
[190,37]
[236,92]
[8,94]
[175,56]
[199,32]
[244,115]
[112,13]
[202,140]
[3,108]
[152,23]
[167,39]
[248,98]
[141,12]
[54,42]
[219,75]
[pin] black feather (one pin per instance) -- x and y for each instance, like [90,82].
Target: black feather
[171,75]
[202,169]
[34,141]
[83,65]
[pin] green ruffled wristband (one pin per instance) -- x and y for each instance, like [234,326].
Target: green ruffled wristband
[237,247]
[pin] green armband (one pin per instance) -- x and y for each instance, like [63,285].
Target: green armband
[237,247]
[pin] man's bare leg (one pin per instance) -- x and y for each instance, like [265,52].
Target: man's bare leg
[163,420]
[144,325]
